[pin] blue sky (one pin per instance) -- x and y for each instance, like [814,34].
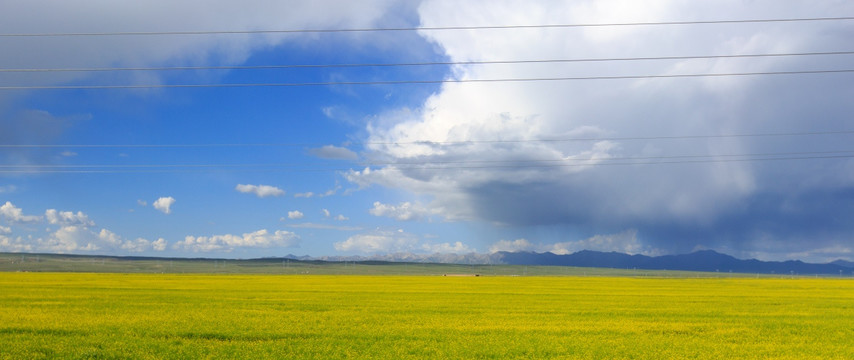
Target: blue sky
[638,165]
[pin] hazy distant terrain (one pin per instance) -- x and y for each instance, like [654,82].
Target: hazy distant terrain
[707,263]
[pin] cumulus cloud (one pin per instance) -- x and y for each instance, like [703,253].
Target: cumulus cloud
[491,155]
[334,153]
[77,239]
[323,226]
[404,211]
[164,204]
[115,241]
[512,246]
[17,244]
[293,215]
[74,235]
[447,248]
[55,217]
[397,241]
[15,215]
[141,245]
[69,239]
[380,241]
[625,242]
[260,191]
[229,242]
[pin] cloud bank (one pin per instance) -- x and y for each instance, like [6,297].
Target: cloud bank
[492,153]
[229,242]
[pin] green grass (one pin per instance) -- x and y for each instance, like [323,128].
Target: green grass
[98,316]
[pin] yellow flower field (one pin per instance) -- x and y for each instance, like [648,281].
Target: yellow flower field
[84,315]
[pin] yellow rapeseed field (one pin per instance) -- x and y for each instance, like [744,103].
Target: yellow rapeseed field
[114,316]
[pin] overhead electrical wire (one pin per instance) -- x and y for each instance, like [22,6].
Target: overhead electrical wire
[428,162]
[427,165]
[23,169]
[435,63]
[519,163]
[405,82]
[423,28]
[427,142]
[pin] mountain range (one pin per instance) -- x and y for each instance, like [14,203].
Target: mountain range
[705,260]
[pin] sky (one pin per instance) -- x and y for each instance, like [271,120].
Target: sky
[616,153]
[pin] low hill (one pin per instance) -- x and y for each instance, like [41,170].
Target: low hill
[706,260]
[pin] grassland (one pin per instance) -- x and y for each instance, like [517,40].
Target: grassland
[86,315]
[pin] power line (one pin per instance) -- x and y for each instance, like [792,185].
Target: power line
[467,167]
[422,163]
[426,28]
[412,82]
[426,142]
[435,63]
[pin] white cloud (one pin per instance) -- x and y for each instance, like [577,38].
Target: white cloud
[7,189]
[447,248]
[55,217]
[164,204]
[323,226]
[326,212]
[73,236]
[8,244]
[260,190]
[95,16]
[514,178]
[340,217]
[624,242]
[404,211]
[293,215]
[69,239]
[330,192]
[512,246]
[115,241]
[15,215]
[310,194]
[68,153]
[380,241]
[142,245]
[334,153]
[142,203]
[229,242]
[159,244]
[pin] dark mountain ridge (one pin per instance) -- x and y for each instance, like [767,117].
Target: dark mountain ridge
[705,260]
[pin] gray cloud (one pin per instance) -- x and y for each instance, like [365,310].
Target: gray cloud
[678,192]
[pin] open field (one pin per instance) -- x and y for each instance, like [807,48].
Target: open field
[84,315]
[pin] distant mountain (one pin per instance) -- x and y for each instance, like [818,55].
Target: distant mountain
[706,260]
[848,264]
